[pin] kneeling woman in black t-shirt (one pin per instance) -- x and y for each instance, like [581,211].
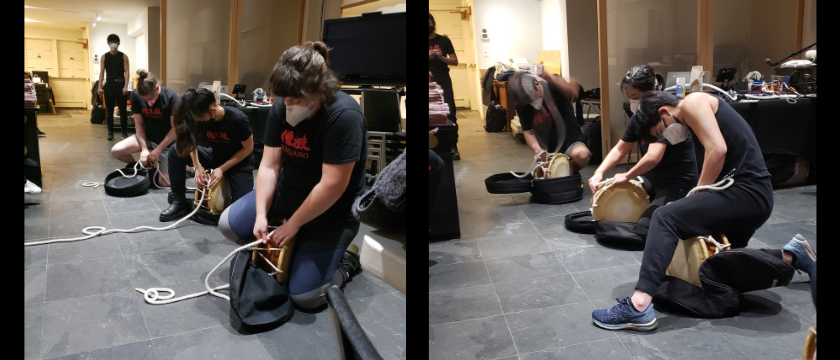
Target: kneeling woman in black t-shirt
[229,155]
[317,136]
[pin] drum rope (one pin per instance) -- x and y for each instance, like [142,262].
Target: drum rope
[93,231]
[724,183]
[152,295]
[710,239]
[95,184]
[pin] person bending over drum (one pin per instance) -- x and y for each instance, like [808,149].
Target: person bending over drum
[317,136]
[547,117]
[670,168]
[737,211]
[151,106]
[229,155]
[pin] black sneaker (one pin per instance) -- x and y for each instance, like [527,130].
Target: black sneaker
[124,135]
[110,136]
[350,264]
[457,155]
[40,133]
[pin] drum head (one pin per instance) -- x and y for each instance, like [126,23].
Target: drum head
[559,166]
[624,202]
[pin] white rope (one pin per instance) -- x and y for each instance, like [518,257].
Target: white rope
[716,186]
[710,239]
[91,231]
[152,295]
[535,165]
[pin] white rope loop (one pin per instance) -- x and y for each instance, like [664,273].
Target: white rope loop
[534,165]
[92,231]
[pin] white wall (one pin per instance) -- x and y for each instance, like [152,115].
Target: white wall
[98,44]
[138,28]
[809,33]
[554,31]
[514,28]
[582,22]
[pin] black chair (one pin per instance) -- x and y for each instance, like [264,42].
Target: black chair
[44,75]
[381,108]
[352,341]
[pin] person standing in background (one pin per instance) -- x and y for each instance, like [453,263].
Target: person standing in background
[441,57]
[116,64]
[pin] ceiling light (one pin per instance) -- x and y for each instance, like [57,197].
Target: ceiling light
[97,16]
[94,24]
[30,20]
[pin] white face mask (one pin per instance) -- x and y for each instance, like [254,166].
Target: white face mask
[675,133]
[634,105]
[113,46]
[296,113]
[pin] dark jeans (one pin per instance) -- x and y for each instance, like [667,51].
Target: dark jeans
[240,176]
[113,93]
[435,164]
[736,212]
[445,82]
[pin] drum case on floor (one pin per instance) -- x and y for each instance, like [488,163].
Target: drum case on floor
[544,191]
[118,185]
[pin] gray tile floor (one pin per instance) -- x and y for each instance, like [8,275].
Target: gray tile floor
[519,285]
[79,298]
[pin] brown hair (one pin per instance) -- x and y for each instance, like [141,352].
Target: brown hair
[146,82]
[191,104]
[303,71]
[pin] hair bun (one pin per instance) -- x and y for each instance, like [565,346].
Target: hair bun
[142,73]
[320,47]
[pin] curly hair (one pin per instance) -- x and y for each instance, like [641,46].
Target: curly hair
[304,72]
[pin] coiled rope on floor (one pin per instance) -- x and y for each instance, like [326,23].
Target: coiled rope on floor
[152,295]
[93,231]
[94,184]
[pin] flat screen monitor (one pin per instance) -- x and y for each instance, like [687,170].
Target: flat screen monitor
[368,49]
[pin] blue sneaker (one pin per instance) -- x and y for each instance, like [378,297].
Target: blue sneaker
[805,255]
[625,316]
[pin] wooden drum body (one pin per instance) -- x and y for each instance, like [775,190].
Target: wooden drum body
[218,198]
[689,255]
[624,202]
[281,259]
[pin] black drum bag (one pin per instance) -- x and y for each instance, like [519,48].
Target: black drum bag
[544,191]
[625,235]
[117,185]
[581,222]
[725,277]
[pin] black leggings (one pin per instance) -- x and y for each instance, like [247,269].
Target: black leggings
[445,82]
[113,93]
[435,164]
[736,212]
[240,176]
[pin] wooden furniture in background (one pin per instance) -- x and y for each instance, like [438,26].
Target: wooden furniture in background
[500,87]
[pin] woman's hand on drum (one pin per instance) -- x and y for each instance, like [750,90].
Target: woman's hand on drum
[620,179]
[215,176]
[594,180]
[261,229]
[200,177]
[541,155]
[283,234]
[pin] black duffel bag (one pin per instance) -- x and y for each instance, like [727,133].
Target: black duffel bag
[725,277]
[624,235]
[544,191]
[496,117]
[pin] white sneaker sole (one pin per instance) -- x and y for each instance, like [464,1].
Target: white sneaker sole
[640,327]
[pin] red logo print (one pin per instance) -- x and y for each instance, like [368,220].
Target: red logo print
[436,47]
[149,112]
[216,136]
[292,143]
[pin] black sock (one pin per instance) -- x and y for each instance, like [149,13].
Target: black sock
[774,252]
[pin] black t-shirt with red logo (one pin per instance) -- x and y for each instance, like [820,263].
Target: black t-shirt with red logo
[442,43]
[156,118]
[226,136]
[335,135]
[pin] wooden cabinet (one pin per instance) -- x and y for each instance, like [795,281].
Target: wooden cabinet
[71,60]
[504,99]
[39,54]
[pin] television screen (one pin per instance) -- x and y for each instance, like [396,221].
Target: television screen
[367,50]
